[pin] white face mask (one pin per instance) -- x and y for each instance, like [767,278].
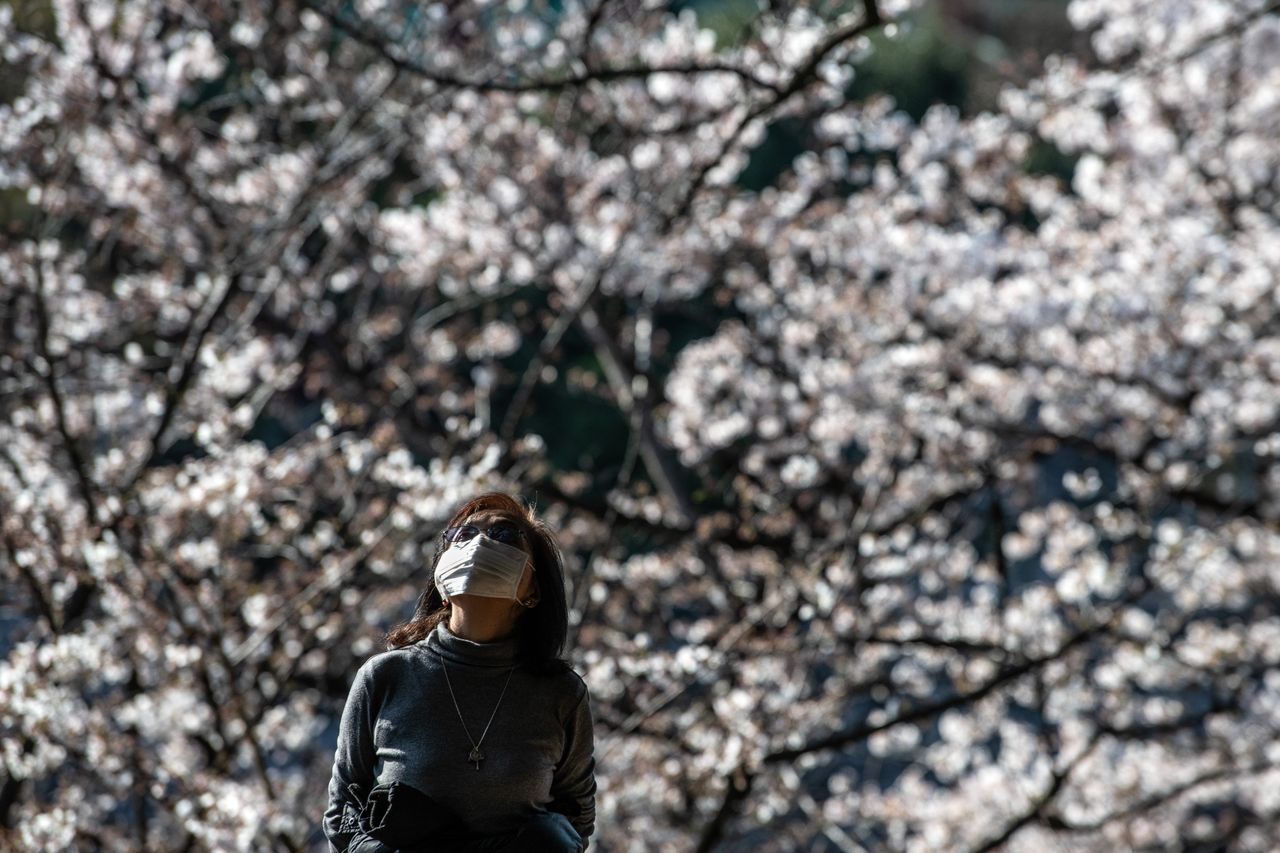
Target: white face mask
[480,566]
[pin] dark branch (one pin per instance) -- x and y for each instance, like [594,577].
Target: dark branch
[378,42]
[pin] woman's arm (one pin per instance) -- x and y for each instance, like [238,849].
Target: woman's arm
[573,787]
[353,765]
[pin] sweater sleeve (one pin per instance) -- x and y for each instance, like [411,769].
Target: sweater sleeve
[353,765]
[573,787]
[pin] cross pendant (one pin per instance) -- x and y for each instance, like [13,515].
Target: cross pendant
[477,756]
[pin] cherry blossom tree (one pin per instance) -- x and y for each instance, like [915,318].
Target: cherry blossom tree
[923,499]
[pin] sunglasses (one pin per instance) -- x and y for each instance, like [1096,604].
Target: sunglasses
[508,534]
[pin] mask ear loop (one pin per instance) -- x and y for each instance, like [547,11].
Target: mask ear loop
[536,596]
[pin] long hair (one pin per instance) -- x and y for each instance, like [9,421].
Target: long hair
[543,630]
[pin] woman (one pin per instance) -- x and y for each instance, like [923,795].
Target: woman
[471,733]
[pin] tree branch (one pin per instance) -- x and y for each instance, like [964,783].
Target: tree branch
[658,459]
[869,20]
[1156,800]
[378,42]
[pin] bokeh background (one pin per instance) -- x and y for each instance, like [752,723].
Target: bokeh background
[903,379]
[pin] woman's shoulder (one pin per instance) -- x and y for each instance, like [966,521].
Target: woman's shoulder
[564,679]
[391,663]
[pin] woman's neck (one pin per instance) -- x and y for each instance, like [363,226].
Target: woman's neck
[480,623]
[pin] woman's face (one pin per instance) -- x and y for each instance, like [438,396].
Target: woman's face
[484,519]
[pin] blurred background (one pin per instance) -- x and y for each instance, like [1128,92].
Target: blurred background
[902,379]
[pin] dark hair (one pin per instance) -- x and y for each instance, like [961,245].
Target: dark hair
[541,630]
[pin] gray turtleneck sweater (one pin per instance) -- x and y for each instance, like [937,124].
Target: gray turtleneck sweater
[400,725]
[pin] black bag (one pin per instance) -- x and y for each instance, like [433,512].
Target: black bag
[404,818]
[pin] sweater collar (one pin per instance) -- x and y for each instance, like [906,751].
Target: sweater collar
[456,649]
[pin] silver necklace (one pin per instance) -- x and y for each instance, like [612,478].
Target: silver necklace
[476,755]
